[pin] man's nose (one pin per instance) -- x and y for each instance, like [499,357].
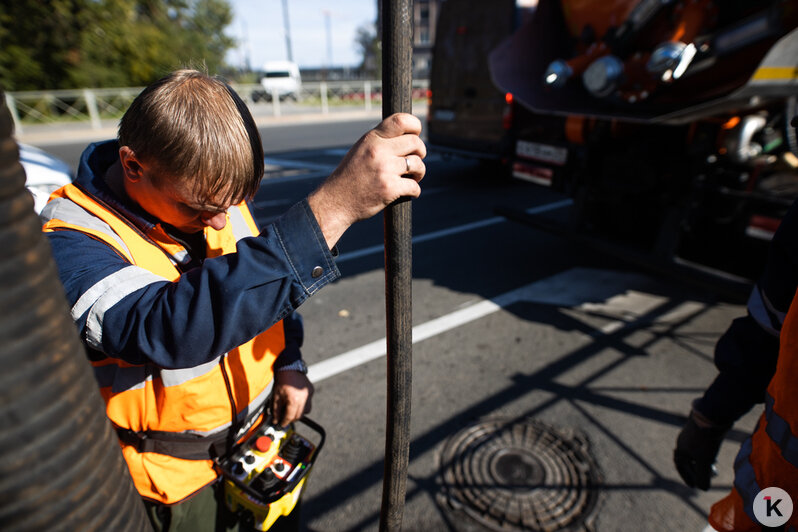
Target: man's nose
[215,220]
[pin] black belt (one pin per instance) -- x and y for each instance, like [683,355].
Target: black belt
[180,444]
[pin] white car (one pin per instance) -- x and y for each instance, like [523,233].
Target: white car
[45,173]
[281,78]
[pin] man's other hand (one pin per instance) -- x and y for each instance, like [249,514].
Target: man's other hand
[697,447]
[292,397]
[383,166]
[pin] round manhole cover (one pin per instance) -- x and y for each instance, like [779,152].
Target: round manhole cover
[520,475]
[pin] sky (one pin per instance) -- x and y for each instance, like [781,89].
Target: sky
[259,28]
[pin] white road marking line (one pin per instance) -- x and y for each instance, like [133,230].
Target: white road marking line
[608,290]
[452,230]
[351,359]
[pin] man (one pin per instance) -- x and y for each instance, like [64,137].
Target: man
[769,457]
[745,356]
[757,362]
[185,306]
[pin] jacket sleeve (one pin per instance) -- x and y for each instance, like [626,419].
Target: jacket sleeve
[294,336]
[131,314]
[293,326]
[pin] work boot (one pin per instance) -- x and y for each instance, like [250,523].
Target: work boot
[696,450]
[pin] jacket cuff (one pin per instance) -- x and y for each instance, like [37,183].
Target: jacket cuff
[304,244]
[286,358]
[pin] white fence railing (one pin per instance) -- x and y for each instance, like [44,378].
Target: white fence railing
[92,106]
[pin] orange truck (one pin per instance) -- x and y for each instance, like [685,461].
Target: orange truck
[666,121]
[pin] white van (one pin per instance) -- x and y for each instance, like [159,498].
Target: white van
[281,78]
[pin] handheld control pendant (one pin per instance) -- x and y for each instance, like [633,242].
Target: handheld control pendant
[265,475]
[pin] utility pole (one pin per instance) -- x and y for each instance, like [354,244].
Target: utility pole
[288,50]
[247,62]
[328,28]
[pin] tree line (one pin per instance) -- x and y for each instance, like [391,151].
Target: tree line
[67,44]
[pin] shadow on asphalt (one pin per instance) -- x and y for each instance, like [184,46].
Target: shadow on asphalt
[546,379]
[519,249]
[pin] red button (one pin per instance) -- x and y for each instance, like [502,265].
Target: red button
[263,444]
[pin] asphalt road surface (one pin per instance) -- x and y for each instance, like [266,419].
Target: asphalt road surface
[549,382]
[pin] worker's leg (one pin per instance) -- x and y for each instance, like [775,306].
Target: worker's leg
[198,514]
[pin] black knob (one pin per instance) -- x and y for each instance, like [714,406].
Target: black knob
[265,481]
[290,452]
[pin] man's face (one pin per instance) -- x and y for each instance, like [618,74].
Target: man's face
[171,202]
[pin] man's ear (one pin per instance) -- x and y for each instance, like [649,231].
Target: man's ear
[131,167]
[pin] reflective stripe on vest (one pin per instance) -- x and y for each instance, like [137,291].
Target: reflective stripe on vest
[65,209]
[745,479]
[779,431]
[764,313]
[146,398]
[106,293]
[121,378]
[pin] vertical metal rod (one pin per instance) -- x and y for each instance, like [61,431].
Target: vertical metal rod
[275,102]
[323,95]
[288,51]
[91,108]
[397,31]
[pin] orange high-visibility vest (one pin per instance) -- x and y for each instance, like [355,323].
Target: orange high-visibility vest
[769,458]
[193,401]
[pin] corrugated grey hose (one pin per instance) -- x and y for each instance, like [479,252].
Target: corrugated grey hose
[60,463]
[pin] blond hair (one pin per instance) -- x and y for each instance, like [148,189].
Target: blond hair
[194,129]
